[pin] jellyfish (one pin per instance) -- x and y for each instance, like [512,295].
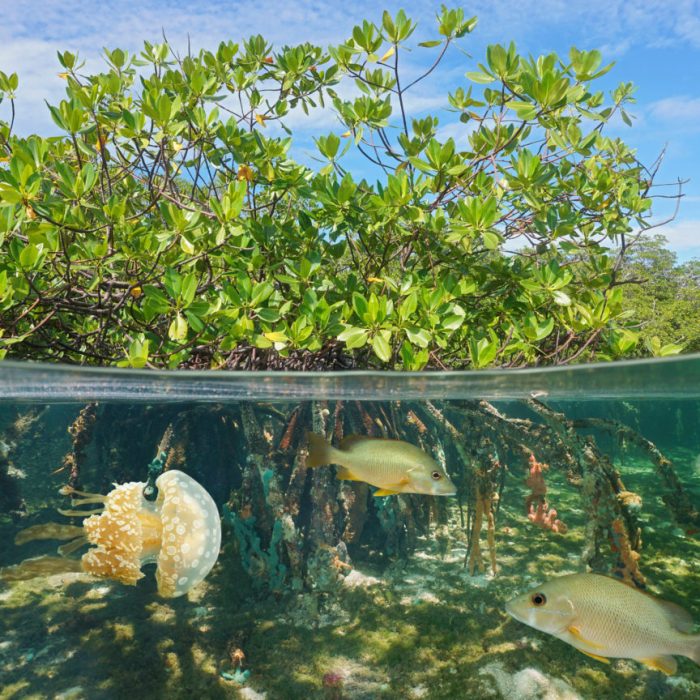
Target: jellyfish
[180,531]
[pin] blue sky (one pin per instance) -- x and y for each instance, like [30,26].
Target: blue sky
[655,44]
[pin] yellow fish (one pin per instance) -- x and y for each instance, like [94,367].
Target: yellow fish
[605,618]
[394,466]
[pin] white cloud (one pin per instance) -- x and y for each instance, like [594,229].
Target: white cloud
[682,110]
[683,236]
[458,131]
[32,31]
[617,23]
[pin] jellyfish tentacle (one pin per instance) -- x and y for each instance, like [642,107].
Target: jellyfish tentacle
[84,501]
[72,546]
[70,491]
[80,513]
[48,531]
[39,566]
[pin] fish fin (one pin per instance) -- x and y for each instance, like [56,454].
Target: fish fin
[404,481]
[576,633]
[679,618]
[349,440]
[667,664]
[596,657]
[320,451]
[345,474]
[694,651]
[385,492]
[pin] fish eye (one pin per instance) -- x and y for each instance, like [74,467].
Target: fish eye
[436,476]
[538,599]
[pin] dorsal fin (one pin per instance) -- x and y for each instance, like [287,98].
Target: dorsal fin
[348,441]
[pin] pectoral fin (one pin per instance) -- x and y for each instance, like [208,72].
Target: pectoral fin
[385,492]
[576,633]
[667,664]
[596,657]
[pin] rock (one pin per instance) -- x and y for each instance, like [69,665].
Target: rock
[77,692]
[529,684]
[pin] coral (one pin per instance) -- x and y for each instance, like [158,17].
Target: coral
[546,518]
[538,511]
[485,505]
[627,567]
[536,483]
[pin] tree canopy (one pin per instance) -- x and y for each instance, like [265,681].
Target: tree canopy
[663,297]
[169,226]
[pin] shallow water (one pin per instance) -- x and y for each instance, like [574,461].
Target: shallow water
[322,590]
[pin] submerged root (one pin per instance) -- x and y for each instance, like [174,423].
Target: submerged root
[474,558]
[48,531]
[39,566]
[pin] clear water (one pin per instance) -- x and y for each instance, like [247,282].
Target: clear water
[322,590]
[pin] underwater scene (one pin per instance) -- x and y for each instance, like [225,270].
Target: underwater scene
[499,534]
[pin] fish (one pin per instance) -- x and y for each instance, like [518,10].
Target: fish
[394,466]
[605,618]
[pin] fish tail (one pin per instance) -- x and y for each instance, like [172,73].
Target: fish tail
[320,451]
[694,648]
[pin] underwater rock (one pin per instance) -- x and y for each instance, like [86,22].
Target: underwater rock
[75,693]
[528,684]
[356,579]
[250,694]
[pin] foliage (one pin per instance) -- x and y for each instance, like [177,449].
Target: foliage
[168,225]
[665,297]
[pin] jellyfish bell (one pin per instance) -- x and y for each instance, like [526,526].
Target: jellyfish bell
[179,531]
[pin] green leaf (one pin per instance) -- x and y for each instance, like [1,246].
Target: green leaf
[353,337]
[381,347]
[491,240]
[561,298]
[178,328]
[418,336]
[9,194]
[524,110]
[137,353]
[359,303]
[29,256]
[189,289]
[483,351]
[276,337]
[479,77]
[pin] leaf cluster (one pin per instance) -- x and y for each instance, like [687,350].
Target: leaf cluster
[168,225]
